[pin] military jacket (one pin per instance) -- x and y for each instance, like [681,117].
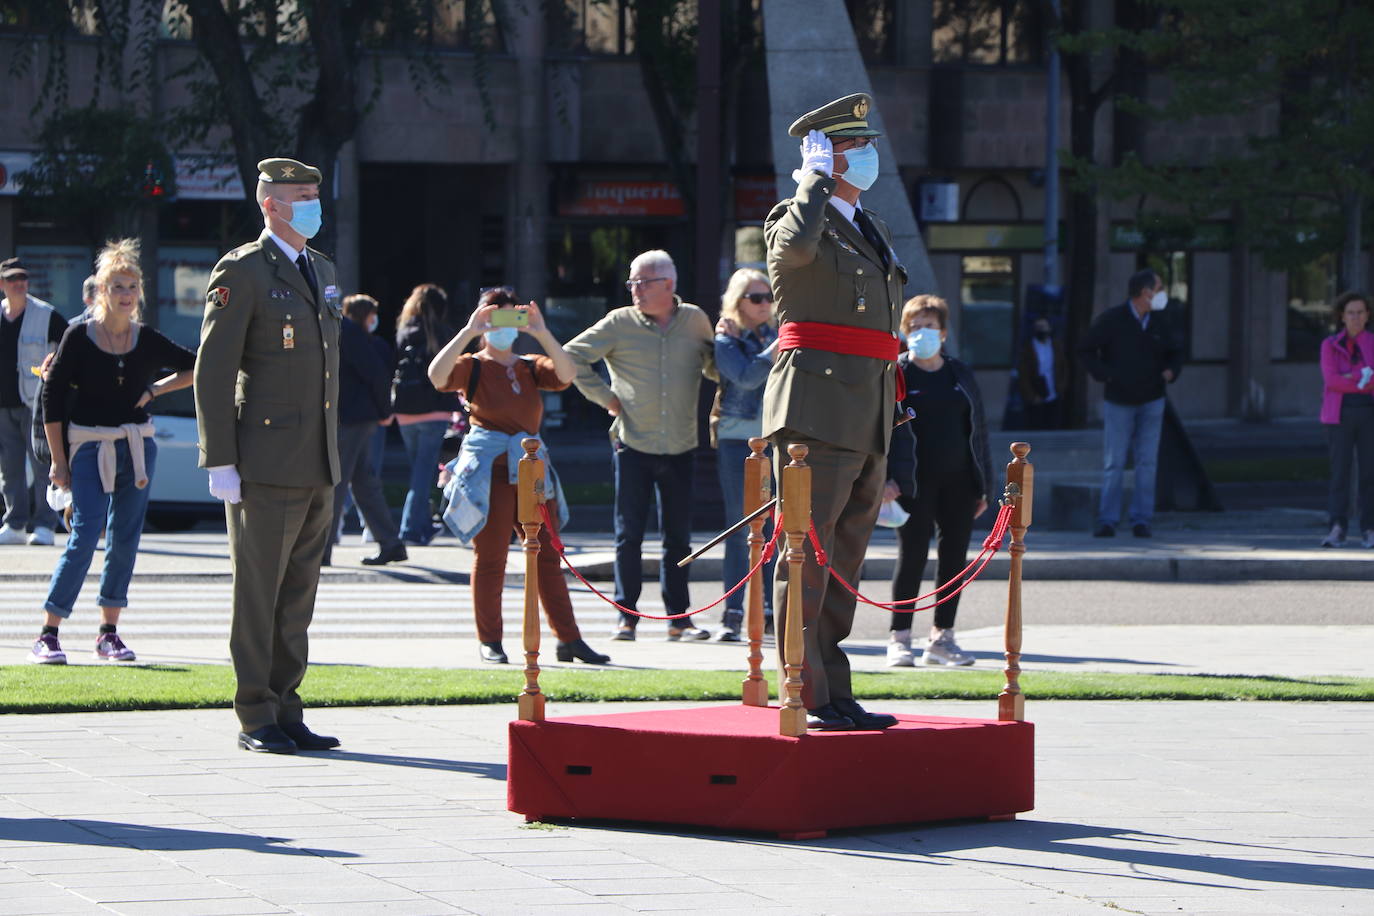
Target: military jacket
[822,268]
[267,374]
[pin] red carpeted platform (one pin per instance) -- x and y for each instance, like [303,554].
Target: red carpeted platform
[727,767]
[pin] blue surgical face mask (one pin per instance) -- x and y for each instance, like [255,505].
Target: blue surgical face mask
[863,166]
[372,325]
[502,338]
[306,217]
[923,343]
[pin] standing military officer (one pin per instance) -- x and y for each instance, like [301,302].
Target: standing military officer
[267,389]
[838,288]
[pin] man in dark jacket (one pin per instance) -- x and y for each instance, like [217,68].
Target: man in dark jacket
[364,399]
[1130,349]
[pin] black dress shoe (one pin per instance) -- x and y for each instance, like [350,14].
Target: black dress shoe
[567,651]
[863,718]
[394,554]
[1104,531]
[828,718]
[269,739]
[493,653]
[1142,530]
[307,740]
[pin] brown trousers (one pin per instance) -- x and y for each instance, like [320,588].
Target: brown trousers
[490,547]
[276,542]
[846,492]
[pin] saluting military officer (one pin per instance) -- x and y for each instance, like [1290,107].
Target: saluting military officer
[838,288]
[267,391]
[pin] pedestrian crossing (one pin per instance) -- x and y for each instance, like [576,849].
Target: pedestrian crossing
[342,609]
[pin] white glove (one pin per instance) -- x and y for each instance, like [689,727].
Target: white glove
[1365,375]
[225,483]
[818,155]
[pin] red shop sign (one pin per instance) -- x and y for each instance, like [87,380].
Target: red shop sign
[624,198]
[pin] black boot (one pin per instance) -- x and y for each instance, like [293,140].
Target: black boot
[567,651]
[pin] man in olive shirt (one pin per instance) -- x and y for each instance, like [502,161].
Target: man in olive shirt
[267,404]
[656,351]
[838,288]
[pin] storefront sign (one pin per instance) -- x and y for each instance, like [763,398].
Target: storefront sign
[939,201]
[197,177]
[755,195]
[197,180]
[623,198]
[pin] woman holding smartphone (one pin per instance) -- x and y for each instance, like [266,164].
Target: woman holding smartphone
[503,394]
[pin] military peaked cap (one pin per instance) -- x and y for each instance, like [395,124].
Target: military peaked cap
[846,117]
[287,171]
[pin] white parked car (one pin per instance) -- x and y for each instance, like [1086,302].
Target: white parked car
[180,494]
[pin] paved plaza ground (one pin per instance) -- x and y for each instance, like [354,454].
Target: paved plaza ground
[1145,807]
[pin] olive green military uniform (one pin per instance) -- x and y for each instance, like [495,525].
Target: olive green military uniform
[823,269]
[267,386]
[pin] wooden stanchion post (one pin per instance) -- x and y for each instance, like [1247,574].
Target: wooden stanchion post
[796,520]
[1011,705]
[757,484]
[530,488]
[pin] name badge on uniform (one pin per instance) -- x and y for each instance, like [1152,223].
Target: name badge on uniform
[331,299]
[288,336]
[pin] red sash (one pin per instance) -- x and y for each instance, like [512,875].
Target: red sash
[838,338]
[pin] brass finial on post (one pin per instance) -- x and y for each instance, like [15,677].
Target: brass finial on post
[1011,705]
[796,520]
[757,484]
[530,488]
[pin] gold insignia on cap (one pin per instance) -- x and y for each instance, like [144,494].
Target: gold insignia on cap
[861,108]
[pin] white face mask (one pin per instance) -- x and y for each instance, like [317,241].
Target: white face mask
[1160,301]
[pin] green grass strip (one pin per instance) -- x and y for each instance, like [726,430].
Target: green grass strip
[90,688]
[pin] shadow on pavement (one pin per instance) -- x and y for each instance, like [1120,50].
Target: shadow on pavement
[484,770]
[78,832]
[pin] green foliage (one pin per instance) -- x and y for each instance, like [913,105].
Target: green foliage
[107,688]
[1282,88]
[97,166]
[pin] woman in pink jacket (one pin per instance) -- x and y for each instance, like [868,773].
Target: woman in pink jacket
[1348,412]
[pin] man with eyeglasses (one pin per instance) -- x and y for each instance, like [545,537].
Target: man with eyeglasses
[833,385]
[656,351]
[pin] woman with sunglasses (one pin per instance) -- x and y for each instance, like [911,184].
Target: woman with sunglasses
[503,394]
[745,338]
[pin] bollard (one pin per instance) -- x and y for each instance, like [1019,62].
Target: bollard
[796,520]
[757,487]
[1011,705]
[531,496]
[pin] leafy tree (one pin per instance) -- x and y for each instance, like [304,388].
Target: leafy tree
[1296,74]
[99,168]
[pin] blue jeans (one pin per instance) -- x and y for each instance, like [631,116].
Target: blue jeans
[121,515]
[1133,429]
[637,476]
[422,442]
[730,467]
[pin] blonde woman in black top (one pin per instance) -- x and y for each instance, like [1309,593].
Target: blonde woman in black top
[106,372]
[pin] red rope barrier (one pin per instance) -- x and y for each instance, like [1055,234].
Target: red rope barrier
[991,544]
[557,543]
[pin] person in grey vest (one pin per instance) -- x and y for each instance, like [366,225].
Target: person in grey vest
[30,330]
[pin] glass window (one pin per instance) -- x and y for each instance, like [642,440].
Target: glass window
[987,312]
[1174,268]
[987,32]
[1311,291]
[56,273]
[875,27]
[591,26]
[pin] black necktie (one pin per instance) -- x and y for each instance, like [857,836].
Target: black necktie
[870,232]
[304,264]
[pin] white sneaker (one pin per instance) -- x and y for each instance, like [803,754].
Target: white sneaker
[899,650]
[10,535]
[943,650]
[41,537]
